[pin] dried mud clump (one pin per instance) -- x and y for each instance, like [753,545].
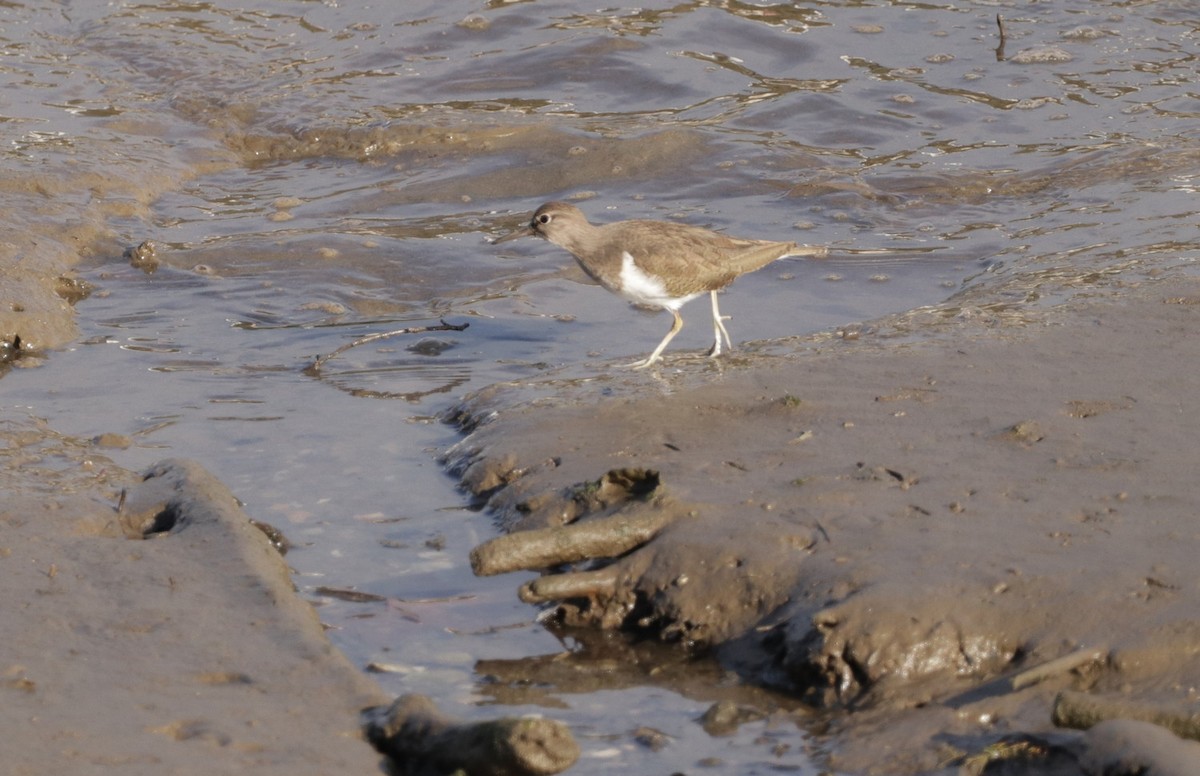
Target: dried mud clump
[620,552]
[416,735]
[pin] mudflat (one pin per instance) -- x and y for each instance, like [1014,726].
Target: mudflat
[184,652]
[945,543]
[936,539]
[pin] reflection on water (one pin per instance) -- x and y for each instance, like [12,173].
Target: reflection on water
[423,380]
[314,172]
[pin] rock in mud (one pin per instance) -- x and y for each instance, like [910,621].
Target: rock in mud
[416,735]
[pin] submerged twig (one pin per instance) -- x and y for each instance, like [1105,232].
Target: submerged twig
[315,366]
[1000,48]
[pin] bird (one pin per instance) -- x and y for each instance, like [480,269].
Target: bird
[657,263]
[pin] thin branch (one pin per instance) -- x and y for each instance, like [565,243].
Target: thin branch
[315,367]
[1000,48]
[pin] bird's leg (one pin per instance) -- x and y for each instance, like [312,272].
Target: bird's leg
[719,329]
[675,327]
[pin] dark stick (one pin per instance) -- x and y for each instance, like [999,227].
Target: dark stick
[315,366]
[1000,48]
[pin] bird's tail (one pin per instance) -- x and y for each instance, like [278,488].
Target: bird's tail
[807,252]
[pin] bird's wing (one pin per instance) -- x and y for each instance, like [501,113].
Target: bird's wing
[692,260]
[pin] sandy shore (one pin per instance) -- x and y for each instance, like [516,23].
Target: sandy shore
[186,653]
[892,531]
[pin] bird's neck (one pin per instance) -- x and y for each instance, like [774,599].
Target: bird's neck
[581,241]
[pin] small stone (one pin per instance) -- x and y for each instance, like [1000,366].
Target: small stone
[143,256]
[430,346]
[331,308]
[475,22]
[1084,33]
[652,739]
[1041,55]
[112,441]
[1027,432]
[724,717]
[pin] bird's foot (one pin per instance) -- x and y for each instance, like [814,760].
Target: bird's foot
[716,350]
[645,362]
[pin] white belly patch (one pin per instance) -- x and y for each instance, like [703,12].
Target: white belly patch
[639,287]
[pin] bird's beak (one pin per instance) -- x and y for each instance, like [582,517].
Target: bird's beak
[524,232]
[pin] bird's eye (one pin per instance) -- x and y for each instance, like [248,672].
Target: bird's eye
[544,218]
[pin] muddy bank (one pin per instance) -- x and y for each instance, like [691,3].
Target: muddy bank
[185,652]
[891,531]
[36,295]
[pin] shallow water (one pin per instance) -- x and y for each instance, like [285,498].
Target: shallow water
[314,172]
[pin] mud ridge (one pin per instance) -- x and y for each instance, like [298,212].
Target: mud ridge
[923,538]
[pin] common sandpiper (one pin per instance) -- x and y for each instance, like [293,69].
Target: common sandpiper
[657,263]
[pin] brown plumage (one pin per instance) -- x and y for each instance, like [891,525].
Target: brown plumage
[657,263]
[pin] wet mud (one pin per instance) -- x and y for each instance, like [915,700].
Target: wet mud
[922,539]
[187,651]
[927,542]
